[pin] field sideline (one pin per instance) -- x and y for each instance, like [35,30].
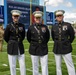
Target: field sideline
[4,66]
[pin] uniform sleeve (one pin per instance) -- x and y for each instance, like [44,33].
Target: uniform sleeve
[7,34]
[71,33]
[29,35]
[52,33]
[47,35]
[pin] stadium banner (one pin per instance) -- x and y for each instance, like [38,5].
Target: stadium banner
[27,1]
[50,18]
[24,8]
[1,14]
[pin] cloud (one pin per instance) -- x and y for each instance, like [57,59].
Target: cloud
[56,3]
[70,17]
[74,10]
[68,4]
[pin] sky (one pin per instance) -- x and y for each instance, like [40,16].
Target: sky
[69,6]
[1,2]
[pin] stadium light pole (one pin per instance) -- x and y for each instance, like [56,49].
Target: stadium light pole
[30,12]
[45,1]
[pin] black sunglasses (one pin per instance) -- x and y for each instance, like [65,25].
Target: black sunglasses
[59,15]
[16,15]
[38,17]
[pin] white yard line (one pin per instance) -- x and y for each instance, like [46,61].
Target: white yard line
[53,53]
[74,55]
[4,65]
[19,68]
[51,42]
[48,42]
[27,70]
[50,61]
[48,52]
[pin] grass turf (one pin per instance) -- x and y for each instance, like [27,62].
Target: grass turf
[4,69]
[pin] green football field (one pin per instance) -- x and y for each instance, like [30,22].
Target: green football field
[4,66]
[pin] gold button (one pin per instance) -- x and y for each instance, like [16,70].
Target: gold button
[39,37]
[38,26]
[40,41]
[38,33]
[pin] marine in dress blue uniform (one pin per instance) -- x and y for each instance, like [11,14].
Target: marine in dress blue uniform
[38,37]
[14,35]
[63,35]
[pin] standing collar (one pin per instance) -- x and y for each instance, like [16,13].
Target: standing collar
[38,24]
[15,23]
[59,22]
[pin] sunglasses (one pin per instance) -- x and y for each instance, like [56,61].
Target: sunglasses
[38,17]
[59,15]
[16,15]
